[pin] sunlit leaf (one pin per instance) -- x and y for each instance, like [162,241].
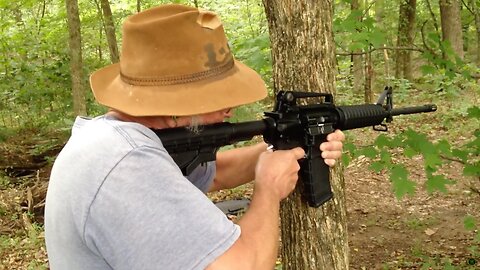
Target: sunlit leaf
[472,169]
[400,182]
[369,152]
[444,147]
[474,112]
[377,166]
[409,152]
[382,141]
[463,155]
[437,183]
[432,160]
[428,69]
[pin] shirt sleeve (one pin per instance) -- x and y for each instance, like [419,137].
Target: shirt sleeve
[202,176]
[147,215]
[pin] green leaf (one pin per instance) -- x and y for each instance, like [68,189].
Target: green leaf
[432,160]
[444,147]
[346,160]
[377,39]
[377,166]
[475,144]
[356,46]
[385,157]
[401,184]
[409,152]
[463,155]
[472,169]
[418,141]
[469,223]
[369,152]
[437,183]
[473,112]
[382,141]
[349,147]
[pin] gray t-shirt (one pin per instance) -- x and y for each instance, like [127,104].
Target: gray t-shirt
[116,200]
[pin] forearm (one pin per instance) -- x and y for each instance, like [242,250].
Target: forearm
[276,175]
[236,167]
[257,246]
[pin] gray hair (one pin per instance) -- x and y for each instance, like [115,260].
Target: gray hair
[195,124]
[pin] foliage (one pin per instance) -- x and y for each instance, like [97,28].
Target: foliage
[412,143]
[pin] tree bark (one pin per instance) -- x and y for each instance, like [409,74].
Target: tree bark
[406,27]
[139,5]
[76,63]
[109,26]
[451,25]
[303,54]
[476,13]
[368,92]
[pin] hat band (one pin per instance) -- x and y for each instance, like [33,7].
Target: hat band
[179,79]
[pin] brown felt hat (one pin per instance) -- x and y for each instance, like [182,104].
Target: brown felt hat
[175,61]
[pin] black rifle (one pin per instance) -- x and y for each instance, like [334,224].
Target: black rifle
[288,126]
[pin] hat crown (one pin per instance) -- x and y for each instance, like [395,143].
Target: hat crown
[175,61]
[173,44]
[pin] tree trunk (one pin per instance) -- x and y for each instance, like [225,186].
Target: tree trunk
[139,5]
[357,59]
[406,27]
[303,54]
[110,31]
[379,17]
[451,25]
[368,92]
[75,44]
[476,13]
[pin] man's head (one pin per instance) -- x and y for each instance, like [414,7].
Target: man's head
[175,61]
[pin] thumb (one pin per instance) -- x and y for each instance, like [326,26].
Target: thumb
[298,152]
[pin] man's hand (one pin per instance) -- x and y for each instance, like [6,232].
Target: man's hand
[277,172]
[332,148]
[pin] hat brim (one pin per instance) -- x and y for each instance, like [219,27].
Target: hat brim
[238,86]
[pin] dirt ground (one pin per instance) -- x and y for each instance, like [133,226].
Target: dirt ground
[418,231]
[424,231]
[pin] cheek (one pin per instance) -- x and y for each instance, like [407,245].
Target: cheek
[212,118]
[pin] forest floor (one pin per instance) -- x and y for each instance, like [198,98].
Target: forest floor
[423,231]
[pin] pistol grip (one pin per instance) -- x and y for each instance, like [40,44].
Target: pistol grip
[315,175]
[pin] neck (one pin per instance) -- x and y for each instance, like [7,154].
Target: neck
[156,122]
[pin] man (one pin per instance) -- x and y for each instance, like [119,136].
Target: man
[117,200]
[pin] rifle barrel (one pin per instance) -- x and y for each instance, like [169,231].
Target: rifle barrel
[412,110]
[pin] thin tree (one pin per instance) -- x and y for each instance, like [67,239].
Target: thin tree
[357,57]
[303,54]
[475,8]
[406,28]
[76,63]
[109,27]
